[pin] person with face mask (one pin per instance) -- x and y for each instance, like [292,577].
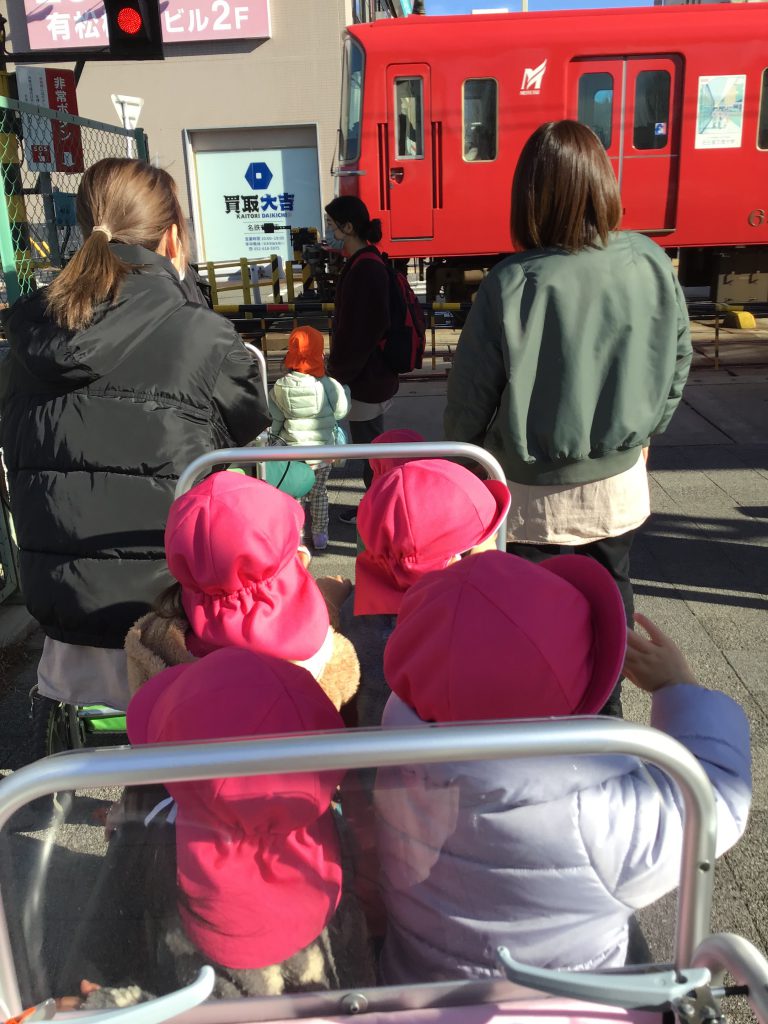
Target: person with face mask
[361,321]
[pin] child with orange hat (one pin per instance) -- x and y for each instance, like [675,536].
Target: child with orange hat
[305,406]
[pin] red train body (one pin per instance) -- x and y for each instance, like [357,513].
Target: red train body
[436,110]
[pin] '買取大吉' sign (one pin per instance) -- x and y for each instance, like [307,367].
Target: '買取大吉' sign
[241,191]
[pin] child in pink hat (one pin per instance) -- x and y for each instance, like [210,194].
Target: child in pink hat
[404,538]
[232,543]
[258,862]
[548,857]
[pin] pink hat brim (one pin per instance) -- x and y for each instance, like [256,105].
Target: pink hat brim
[609,620]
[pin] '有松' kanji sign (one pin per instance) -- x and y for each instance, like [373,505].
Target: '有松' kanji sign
[77,23]
[50,145]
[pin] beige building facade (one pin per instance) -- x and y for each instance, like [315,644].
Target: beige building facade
[246,126]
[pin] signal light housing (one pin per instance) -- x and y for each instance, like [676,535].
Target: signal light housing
[134,28]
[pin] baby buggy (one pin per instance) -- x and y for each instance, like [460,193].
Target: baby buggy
[44,914]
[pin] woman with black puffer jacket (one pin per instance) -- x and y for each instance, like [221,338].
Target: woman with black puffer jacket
[361,322]
[114,383]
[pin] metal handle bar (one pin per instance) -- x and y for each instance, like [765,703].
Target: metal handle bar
[370,748]
[261,359]
[747,965]
[425,449]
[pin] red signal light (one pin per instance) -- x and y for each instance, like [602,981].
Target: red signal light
[129,21]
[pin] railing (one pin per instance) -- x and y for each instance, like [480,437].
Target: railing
[372,748]
[423,450]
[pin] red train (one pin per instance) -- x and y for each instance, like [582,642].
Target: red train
[435,111]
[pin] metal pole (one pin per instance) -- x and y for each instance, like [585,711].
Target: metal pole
[425,450]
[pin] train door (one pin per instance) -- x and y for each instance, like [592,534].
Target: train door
[408,154]
[633,105]
[651,157]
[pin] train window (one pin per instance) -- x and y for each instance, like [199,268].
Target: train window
[596,104]
[351,101]
[651,127]
[409,111]
[762,123]
[480,113]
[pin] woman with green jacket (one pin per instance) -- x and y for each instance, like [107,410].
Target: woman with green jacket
[573,356]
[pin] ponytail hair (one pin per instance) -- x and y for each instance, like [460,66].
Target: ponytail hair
[351,210]
[125,201]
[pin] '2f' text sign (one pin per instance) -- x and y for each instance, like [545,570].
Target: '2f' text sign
[50,145]
[77,23]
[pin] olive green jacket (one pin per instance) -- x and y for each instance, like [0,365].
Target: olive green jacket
[569,362]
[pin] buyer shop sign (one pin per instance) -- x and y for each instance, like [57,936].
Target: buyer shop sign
[241,191]
[50,145]
[70,23]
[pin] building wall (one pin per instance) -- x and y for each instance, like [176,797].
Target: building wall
[292,78]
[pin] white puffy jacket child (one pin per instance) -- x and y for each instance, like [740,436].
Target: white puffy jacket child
[305,406]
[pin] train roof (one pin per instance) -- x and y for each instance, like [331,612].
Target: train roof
[660,28]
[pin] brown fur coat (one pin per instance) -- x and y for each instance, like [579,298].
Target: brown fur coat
[155,643]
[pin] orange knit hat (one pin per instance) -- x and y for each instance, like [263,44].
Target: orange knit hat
[305,351]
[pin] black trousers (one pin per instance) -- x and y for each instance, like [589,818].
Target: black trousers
[363,432]
[612,554]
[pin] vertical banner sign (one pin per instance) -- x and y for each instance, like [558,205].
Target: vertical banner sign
[241,191]
[50,145]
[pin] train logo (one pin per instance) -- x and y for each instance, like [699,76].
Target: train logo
[532,78]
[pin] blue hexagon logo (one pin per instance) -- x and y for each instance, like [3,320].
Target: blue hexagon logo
[258,176]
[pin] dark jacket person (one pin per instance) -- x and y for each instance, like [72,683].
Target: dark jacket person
[573,356]
[360,323]
[113,385]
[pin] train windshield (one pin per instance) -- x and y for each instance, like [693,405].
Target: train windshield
[351,101]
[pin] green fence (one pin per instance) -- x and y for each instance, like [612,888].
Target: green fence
[43,154]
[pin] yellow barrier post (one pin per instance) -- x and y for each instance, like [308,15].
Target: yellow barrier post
[275,264]
[211,269]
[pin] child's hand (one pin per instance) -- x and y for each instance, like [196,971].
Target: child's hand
[651,664]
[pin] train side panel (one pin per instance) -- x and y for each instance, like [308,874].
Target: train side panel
[674,94]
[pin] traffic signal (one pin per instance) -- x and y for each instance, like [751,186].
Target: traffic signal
[134,28]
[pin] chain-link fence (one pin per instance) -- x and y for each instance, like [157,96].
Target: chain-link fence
[43,154]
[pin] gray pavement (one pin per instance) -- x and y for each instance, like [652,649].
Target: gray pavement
[701,571]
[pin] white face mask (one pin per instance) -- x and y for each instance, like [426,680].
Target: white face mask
[337,244]
[330,239]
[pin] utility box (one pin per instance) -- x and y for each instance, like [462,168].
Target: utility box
[741,276]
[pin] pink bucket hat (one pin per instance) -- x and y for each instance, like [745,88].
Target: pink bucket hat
[258,858]
[381,466]
[415,519]
[495,636]
[231,543]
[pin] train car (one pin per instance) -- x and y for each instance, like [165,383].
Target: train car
[435,111]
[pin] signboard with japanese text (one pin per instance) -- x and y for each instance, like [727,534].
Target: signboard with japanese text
[78,23]
[240,191]
[50,145]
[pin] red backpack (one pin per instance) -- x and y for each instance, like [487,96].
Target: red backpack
[403,346]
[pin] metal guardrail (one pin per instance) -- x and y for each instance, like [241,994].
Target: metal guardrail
[426,449]
[372,748]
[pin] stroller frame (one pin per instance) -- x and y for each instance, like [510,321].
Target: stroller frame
[694,948]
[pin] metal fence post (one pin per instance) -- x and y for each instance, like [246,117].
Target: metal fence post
[142,146]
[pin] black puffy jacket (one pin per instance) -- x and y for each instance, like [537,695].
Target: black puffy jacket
[96,427]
